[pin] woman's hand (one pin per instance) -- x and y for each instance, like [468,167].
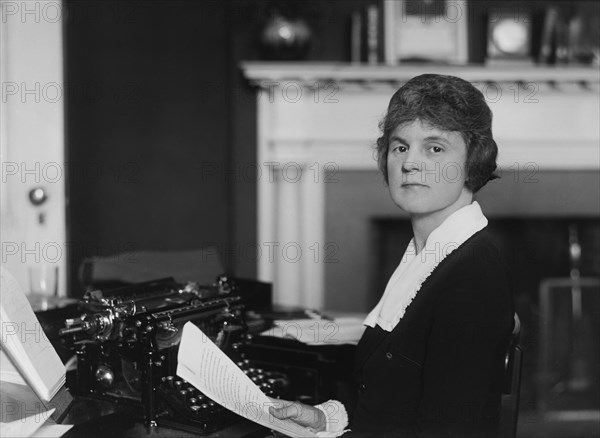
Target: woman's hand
[304,415]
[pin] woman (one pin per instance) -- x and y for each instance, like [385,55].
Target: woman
[430,362]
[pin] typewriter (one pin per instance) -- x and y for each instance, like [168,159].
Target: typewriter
[126,341]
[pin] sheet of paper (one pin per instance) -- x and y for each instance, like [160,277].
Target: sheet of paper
[52,430]
[205,366]
[345,330]
[25,427]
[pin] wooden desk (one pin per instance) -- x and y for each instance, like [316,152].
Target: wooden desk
[98,418]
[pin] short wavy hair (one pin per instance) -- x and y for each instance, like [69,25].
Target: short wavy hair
[450,104]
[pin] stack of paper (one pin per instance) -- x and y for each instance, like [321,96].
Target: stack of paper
[24,341]
[33,426]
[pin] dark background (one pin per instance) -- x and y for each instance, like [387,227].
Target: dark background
[160,120]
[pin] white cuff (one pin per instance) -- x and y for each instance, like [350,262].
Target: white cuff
[336,418]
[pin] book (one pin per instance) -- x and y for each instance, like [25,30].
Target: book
[8,372]
[372,32]
[25,343]
[356,38]
[549,28]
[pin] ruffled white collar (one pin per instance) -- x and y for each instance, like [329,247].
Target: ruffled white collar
[414,269]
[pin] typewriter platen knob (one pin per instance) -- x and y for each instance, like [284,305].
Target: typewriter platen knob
[104,376]
[226,285]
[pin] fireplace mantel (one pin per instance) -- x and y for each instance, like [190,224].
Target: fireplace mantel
[319,118]
[262,74]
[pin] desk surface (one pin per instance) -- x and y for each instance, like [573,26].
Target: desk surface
[96,418]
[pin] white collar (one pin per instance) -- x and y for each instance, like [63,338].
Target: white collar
[414,269]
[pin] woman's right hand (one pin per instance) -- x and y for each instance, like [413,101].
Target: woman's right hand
[304,415]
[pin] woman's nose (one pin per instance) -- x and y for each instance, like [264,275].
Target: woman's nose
[410,166]
[412,162]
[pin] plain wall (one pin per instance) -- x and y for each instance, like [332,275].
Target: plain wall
[357,198]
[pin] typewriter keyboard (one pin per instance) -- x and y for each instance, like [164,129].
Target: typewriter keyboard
[185,407]
[189,409]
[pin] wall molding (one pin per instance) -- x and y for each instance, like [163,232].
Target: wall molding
[263,74]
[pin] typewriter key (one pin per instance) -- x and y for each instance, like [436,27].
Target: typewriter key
[192,401]
[178,384]
[183,393]
[203,411]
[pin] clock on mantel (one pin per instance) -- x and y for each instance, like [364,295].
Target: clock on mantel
[310,72]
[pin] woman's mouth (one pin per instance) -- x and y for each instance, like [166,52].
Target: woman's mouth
[409,185]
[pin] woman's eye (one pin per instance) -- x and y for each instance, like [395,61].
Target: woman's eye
[436,149]
[399,148]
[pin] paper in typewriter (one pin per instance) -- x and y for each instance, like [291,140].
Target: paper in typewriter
[205,366]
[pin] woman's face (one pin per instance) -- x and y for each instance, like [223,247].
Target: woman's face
[426,170]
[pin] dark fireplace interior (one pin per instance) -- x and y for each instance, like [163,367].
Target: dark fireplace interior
[536,249]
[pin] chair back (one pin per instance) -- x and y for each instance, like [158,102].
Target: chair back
[511,392]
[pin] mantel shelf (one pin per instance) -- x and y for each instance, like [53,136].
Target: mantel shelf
[307,73]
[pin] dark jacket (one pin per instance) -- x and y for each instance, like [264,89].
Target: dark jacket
[439,372]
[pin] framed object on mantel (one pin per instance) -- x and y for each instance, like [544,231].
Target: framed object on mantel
[426,31]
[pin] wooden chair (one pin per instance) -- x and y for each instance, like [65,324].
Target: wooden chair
[513,362]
